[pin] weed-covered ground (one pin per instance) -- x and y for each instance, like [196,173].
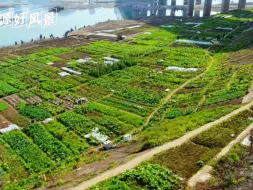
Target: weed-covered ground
[135,95]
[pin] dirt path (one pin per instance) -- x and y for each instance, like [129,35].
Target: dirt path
[249,96]
[204,174]
[169,96]
[150,153]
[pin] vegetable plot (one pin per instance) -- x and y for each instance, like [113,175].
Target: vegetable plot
[34,159]
[55,149]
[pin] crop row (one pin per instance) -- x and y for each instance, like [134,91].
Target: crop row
[111,111]
[34,159]
[55,149]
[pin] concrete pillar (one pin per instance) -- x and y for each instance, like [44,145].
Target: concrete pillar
[172,12]
[207,7]
[197,13]
[241,4]
[190,7]
[225,6]
[144,13]
[153,12]
[162,11]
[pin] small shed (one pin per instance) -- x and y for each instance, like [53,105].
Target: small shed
[11,127]
[127,137]
[108,145]
[97,135]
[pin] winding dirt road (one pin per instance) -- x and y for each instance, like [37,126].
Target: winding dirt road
[150,153]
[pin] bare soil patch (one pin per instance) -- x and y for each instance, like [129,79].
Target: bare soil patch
[67,103]
[3,122]
[10,113]
[34,100]
[27,51]
[232,102]
[188,90]
[129,32]
[64,42]
[59,64]
[67,56]
[241,58]
[13,100]
[108,25]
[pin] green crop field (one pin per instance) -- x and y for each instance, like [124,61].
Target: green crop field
[139,94]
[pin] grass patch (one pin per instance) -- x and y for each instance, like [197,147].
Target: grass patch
[3,106]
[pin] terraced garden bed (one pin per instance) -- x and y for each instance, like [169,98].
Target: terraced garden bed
[138,95]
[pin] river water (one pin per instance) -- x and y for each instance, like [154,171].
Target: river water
[68,19]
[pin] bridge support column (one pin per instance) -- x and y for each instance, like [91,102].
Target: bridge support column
[198,2]
[241,4]
[207,7]
[197,13]
[225,6]
[190,7]
[172,12]
[162,12]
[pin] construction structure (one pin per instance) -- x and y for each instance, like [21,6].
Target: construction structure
[146,8]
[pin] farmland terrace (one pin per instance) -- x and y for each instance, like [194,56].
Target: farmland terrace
[149,85]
